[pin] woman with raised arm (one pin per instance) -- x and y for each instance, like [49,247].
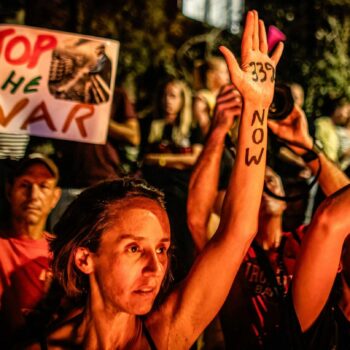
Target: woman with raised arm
[111,245]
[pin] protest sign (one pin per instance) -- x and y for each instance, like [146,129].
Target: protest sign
[56,84]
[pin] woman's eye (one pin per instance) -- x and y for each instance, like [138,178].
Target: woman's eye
[133,249]
[44,186]
[161,250]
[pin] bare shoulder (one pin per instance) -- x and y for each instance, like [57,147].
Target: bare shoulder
[64,334]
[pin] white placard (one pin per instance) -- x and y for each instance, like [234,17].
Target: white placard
[56,84]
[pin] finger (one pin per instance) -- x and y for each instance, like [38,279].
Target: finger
[295,115]
[262,37]
[277,53]
[228,105]
[299,111]
[256,31]
[226,89]
[247,38]
[273,125]
[235,112]
[232,64]
[234,98]
[229,92]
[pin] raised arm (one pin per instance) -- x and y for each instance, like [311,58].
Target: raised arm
[319,259]
[191,306]
[128,132]
[203,187]
[174,160]
[295,129]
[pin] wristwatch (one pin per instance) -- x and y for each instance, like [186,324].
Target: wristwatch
[312,154]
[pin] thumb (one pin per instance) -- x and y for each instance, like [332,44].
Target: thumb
[233,66]
[273,125]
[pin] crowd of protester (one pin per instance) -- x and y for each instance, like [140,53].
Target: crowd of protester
[188,245]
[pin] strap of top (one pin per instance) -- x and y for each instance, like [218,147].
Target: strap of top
[148,337]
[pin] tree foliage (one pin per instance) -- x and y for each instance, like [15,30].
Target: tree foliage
[156,39]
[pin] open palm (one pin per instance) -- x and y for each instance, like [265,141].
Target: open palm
[255,79]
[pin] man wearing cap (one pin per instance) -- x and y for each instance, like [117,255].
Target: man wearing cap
[32,193]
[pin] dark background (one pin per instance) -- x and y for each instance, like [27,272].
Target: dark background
[156,39]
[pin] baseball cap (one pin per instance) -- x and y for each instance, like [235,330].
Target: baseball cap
[34,158]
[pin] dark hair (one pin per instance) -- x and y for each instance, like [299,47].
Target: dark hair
[331,104]
[83,223]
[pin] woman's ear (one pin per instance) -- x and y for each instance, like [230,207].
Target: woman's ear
[340,267]
[83,260]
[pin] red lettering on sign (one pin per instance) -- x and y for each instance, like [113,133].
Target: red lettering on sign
[25,53]
[40,112]
[43,43]
[3,34]
[15,110]
[19,50]
[79,120]
[35,117]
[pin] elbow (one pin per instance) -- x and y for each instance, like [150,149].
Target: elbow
[197,228]
[135,139]
[329,220]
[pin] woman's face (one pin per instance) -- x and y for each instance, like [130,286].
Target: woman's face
[219,75]
[172,99]
[132,260]
[271,206]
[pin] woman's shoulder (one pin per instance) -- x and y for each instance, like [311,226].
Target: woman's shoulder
[64,333]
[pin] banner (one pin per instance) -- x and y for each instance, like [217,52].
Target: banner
[56,84]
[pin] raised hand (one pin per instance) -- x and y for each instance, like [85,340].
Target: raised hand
[255,79]
[293,129]
[228,107]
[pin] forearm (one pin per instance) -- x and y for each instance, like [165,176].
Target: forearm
[203,187]
[332,178]
[318,262]
[128,132]
[171,160]
[242,201]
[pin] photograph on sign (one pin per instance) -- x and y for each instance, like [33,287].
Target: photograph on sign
[77,74]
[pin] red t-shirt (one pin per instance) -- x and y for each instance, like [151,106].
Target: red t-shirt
[24,278]
[251,315]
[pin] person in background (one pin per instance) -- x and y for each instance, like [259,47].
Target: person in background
[326,128]
[25,275]
[215,77]
[251,316]
[298,94]
[12,148]
[169,155]
[342,120]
